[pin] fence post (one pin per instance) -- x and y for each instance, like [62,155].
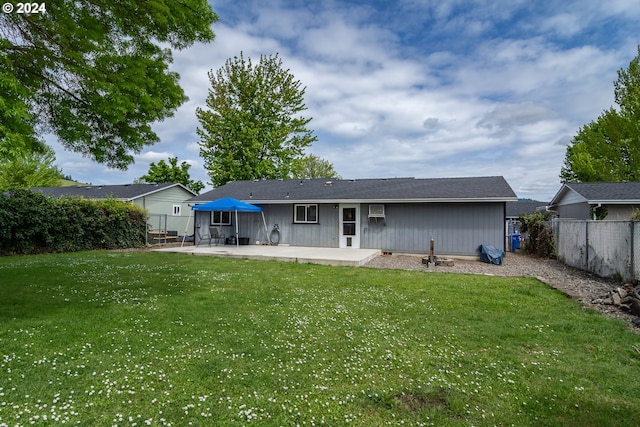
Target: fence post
[586,238]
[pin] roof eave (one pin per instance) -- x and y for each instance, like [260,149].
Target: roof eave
[614,202]
[384,201]
[160,189]
[562,192]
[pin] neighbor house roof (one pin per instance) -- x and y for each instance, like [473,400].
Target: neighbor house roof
[125,192]
[524,207]
[493,188]
[601,192]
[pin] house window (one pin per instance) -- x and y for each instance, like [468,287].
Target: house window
[177,210]
[306,214]
[220,218]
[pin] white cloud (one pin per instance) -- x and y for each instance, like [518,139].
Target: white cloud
[564,24]
[504,118]
[152,156]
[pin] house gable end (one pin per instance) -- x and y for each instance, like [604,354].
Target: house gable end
[567,196]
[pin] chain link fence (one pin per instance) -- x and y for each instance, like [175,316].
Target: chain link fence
[163,228]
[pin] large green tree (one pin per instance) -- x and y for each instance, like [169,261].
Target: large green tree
[30,169]
[94,73]
[252,127]
[17,125]
[312,166]
[608,149]
[163,172]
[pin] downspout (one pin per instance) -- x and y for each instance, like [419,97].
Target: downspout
[504,228]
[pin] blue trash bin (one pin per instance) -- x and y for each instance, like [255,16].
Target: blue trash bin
[515,242]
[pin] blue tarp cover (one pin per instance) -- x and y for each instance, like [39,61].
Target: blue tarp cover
[227,204]
[491,254]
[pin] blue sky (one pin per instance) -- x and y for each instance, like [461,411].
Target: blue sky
[416,88]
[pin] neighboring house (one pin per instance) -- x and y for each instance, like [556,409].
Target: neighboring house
[394,215]
[165,203]
[596,200]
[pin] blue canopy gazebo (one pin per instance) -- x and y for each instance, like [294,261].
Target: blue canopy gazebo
[229,204]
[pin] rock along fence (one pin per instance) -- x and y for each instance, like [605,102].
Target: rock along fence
[606,248]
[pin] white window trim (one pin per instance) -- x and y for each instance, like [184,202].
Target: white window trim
[306,213]
[177,210]
[222,215]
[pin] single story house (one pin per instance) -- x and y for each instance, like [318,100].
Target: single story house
[596,200]
[394,215]
[165,203]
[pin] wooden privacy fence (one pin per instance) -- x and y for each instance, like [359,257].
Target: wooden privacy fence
[606,248]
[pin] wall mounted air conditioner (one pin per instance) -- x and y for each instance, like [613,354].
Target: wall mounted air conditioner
[376,212]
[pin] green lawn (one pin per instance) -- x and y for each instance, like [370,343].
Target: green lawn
[129,338]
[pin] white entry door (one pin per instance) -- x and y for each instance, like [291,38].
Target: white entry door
[349,226]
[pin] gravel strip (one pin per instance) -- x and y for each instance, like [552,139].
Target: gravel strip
[577,284]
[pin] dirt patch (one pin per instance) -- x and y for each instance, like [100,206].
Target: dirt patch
[416,403]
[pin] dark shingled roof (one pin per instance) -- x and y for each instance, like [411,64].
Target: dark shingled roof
[603,191]
[493,188]
[120,192]
[528,207]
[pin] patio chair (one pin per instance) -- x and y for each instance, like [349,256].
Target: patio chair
[202,237]
[216,236]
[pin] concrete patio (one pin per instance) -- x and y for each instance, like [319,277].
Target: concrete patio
[327,256]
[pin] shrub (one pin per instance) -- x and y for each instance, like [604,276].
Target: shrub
[538,234]
[34,223]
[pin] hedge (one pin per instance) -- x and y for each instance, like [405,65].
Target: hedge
[35,223]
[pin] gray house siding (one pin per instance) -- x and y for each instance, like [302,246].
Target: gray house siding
[457,228]
[322,234]
[620,212]
[583,211]
[573,210]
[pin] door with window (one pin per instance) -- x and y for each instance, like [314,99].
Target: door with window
[349,226]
